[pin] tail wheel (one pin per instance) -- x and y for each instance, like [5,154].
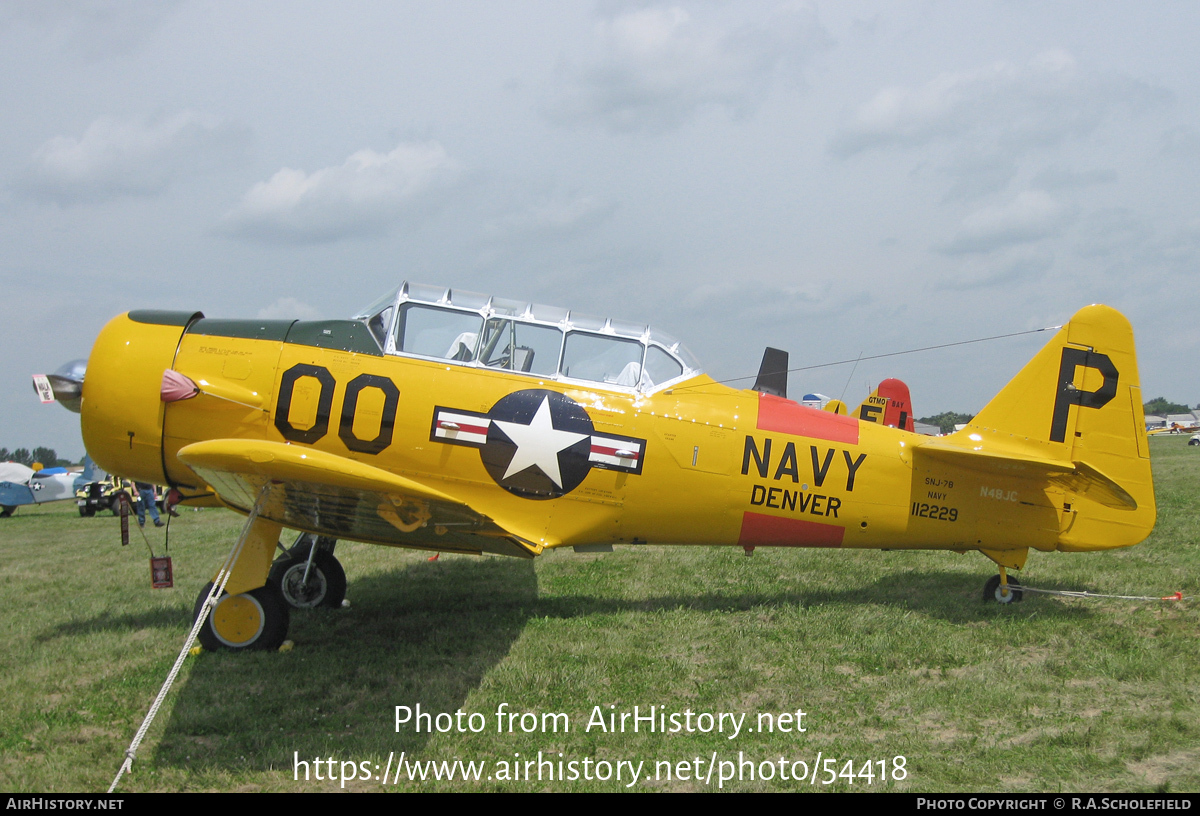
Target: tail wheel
[993,592]
[326,584]
[257,619]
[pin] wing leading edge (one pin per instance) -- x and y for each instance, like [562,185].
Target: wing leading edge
[324,493]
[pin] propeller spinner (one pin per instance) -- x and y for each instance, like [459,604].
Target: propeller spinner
[64,386]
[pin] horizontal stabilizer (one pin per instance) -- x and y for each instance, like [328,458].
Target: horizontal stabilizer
[1076,477]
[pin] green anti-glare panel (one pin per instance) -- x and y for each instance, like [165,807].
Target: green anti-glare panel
[160,317]
[344,335]
[247,329]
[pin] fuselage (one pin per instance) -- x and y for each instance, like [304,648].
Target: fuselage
[586,463]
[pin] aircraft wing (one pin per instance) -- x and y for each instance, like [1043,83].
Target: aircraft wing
[331,495]
[1076,477]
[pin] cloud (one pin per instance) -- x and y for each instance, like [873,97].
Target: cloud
[95,29]
[1009,272]
[555,218]
[123,157]
[1180,143]
[658,65]
[1044,102]
[742,302]
[1060,178]
[288,308]
[367,195]
[1031,216]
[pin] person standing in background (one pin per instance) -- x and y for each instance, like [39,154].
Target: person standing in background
[146,493]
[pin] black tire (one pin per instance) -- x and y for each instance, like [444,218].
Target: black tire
[6,510]
[991,591]
[1194,441]
[83,511]
[326,586]
[271,630]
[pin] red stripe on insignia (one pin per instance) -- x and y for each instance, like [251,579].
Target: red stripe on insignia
[759,530]
[607,451]
[784,416]
[475,429]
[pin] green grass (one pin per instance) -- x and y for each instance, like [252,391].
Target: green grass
[889,654]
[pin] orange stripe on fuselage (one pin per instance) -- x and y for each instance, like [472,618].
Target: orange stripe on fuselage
[759,530]
[784,416]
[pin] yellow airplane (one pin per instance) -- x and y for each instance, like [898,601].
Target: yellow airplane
[449,421]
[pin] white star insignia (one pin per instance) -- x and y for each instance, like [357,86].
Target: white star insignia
[538,443]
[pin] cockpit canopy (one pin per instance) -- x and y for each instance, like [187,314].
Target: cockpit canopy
[435,323]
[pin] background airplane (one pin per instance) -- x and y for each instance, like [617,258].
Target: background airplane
[21,485]
[889,404]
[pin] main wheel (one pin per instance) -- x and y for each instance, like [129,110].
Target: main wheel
[257,619]
[6,510]
[326,586]
[992,592]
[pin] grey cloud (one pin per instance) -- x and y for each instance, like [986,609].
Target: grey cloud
[1006,272]
[553,218]
[1138,252]
[1114,232]
[658,65]
[120,157]
[1044,102]
[96,30]
[1059,178]
[367,195]
[1030,216]
[978,175]
[1180,142]
[287,308]
[743,302]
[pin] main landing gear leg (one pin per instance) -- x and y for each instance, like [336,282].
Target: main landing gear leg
[309,576]
[251,614]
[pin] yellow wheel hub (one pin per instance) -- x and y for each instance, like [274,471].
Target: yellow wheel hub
[238,620]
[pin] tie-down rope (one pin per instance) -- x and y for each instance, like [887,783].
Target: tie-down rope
[217,589]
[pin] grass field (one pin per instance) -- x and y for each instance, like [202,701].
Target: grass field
[888,654]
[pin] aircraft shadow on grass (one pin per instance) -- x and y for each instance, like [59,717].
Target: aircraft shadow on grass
[408,639]
[405,640]
[163,618]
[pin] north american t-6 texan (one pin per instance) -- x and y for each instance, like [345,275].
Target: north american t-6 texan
[451,421]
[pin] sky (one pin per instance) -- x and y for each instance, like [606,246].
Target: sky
[837,179]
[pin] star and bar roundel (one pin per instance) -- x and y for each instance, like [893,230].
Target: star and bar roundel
[537,444]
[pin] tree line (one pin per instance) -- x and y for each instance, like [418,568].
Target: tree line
[47,456]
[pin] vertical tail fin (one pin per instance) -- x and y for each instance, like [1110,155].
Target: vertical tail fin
[1079,403]
[889,404]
